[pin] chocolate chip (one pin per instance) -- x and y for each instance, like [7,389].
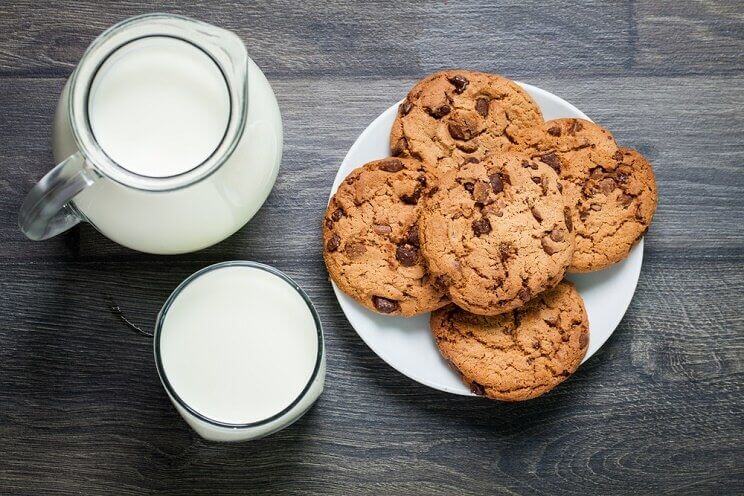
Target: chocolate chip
[456,131]
[536,345]
[567,218]
[335,216]
[354,250]
[551,320]
[471,160]
[391,165]
[536,179]
[477,388]
[547,246]
[574,127]
[467,146]
[618,155]
[443,282]
[556,235]
[400,148]
[405,107]
[333,243]
[506,251]
[481,226]
[382,229]
[596,207]
[536,213]
[524,294]
[481,106]
[414,197]
[559,185]
[460,131]
[431,192]
[505,177]
[385,305]
[622,177]
[554,131]
[459,82]
[412,236]
[439,112]
[496,184]
[552,160]
[607,185]
[407,255]
[625,200]
[469,187]
[584,339]
[480,192]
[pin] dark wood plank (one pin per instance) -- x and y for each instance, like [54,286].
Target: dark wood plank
[657,411]
[372,39]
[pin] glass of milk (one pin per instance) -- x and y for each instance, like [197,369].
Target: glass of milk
[239,349]
[168,139]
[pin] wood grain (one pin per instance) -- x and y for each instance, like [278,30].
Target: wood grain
[658,410]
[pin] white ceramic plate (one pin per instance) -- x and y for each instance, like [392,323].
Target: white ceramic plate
[406,343]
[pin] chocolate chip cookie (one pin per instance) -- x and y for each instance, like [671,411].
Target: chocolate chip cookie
[570,146]
[611,190]
[615,208]
[370,238]
[517,355]
[454,116]
[495,233]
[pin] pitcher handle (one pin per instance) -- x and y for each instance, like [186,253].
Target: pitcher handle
[46,211]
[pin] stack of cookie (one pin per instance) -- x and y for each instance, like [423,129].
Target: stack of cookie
[486,206]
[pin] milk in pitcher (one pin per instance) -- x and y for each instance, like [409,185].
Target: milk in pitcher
[159,106]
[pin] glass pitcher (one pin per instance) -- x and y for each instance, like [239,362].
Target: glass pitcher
[188,192]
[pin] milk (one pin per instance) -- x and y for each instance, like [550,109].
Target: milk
[158,106]
[203,213]
[239,345]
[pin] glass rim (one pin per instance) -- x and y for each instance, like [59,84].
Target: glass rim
[176,292]
[223,47]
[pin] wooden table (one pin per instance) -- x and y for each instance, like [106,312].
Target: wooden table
[658,410]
